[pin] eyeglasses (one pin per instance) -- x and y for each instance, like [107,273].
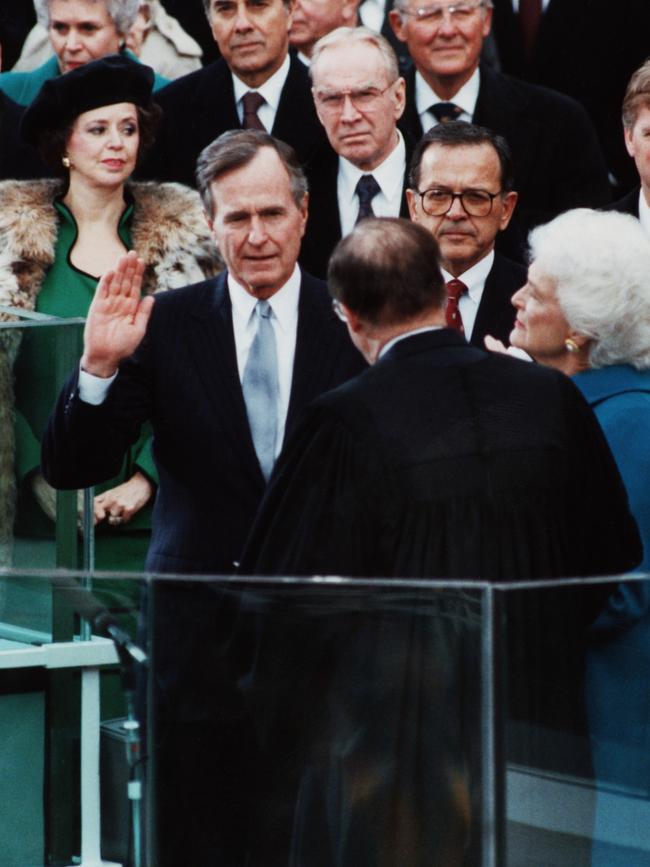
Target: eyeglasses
[477,203]
[363,98]
[336,307]
[435,14]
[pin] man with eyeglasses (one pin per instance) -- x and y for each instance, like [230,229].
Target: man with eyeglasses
[557,158]
[359,98]
[461,190]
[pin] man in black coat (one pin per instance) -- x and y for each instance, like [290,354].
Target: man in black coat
[557,158]
[442,459]
[461,190]
[366,145]
[190,376]
[254,84]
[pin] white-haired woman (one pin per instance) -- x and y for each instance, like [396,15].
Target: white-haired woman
[585,310]
[79,31]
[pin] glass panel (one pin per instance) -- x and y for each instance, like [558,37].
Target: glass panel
[316,723]
[577,735]
[39,529]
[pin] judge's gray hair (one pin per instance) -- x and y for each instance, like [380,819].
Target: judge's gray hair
[122,12]
[348,36]
[600,263]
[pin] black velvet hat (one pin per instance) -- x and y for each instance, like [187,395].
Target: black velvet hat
[107,81]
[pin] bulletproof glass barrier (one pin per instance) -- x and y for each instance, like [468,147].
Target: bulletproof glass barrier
[329,721]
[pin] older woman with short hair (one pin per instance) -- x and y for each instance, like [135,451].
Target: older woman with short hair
[79,31]
[585,310]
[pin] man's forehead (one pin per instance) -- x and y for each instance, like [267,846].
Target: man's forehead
[475,160]
[343,61]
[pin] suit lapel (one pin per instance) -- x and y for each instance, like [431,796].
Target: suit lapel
[215,108]
[212,347]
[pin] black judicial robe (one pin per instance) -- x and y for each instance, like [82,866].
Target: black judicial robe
[444,460]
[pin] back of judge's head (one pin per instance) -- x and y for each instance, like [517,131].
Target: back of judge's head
[386,272]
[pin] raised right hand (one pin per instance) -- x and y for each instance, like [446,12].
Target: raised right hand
[117,318]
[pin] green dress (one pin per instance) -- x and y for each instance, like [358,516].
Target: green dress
[66,293]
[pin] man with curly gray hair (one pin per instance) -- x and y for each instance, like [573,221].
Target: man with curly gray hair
[79,31]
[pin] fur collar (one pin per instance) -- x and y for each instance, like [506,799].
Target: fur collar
[168,231]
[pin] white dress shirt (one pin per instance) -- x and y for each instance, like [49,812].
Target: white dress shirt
[515,5]
[271,90]
[284,304]
[372,14]
[406,334]
[644,213]
[390,177]
[474,278]
[466,98]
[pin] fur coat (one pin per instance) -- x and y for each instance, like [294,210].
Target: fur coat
[168,231]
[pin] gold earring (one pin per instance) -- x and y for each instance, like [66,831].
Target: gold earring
[66,162]
[570,345]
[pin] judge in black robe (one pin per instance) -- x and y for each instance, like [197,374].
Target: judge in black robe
[442,460]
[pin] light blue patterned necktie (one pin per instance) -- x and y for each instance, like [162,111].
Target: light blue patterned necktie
[260,388]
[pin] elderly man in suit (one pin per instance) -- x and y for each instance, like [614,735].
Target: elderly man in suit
[558,162]
[461,190]
[255,84]
[359,97]
[222,372]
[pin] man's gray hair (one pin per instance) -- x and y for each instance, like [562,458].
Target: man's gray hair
[348,36]
[235,149]
[600,263]
[402,6]
[122,12]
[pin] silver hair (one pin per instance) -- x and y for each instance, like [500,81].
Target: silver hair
[349,35]
[402,6]
[600,263]
[122,12]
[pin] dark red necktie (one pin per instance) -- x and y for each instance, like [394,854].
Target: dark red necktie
[455,289]
[252,102]
[530,16]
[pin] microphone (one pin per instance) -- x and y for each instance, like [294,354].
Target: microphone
[100,618]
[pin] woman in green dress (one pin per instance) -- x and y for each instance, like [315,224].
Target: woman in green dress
[56,239]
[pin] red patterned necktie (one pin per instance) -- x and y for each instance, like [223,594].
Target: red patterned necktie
[252,102]
[455,289]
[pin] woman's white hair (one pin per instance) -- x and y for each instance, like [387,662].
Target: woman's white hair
[122,12]
[600,263]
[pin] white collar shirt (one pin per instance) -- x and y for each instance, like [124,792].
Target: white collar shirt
[644,213]
[466,99]
[372,14]
[474,278]
[271,90]
[284,304]
[390,177]
[406,334]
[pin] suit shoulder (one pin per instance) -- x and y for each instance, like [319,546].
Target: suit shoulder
[188,85]
[542,99]
[183,299]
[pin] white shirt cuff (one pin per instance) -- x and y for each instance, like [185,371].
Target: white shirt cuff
[93,389]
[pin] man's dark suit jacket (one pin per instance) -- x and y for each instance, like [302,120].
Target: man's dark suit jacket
[557,160]
[324,224]
[184,379]
[593,68]
[496,315]
[629,204]
[200,106]
[17,158]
